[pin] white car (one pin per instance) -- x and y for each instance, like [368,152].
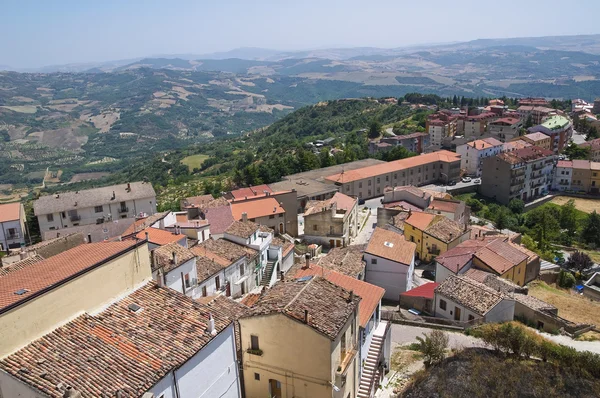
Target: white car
[466,179]
[477,181]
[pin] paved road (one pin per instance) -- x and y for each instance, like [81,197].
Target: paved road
[403,335]
[578,138]
[592,346]
[365,234]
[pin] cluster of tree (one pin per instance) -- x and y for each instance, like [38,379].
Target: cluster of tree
[583,126]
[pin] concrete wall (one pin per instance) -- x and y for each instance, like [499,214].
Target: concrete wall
[11,387]
[441,272]
[85,293]
[210,284]
[173,278]
[545,322]
[419,303]
[503,311]
[451,306]
[17,239]
[394,277]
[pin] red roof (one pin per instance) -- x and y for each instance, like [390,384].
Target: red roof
[264,207]
[44,274]
[258,190]
[159,236]
[10,212]
[425,291]
[370,294]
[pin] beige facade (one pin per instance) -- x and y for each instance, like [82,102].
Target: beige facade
[88,292]
[300,363]
[332,226]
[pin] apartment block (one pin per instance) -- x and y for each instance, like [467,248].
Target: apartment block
[12,226]
[558,128]
[537,113]
[582,176]
[505,128]
[370,182]
[94,206]
[523,173]
[440,125]
[473,153]
[538,139]
[563,175]
[415,142]
[594,146]
[476,125]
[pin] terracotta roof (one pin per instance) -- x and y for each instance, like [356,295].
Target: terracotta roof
[10,212]
[415,161]
[144,223]
[469,293]
[193,224]
[500,256]
[445,230]
[329,306]
[7,269]
[163,256]
[506,121]
[346,260]
[458,257]
[250,299]
[420,220]
[418,192]
[218,202]
[581,164]
[370,295]
[118,352]
[477,275]
[593,144]
[219,217]
[391,245]
[485,143]
[532,153]
[286,245]
[256,208]
[196,201]
[341,202]
[426,291]
[565,163]
[533,303]
[536,136]
[205,268]
[159,236]
[92,197]
[257,190]
[448,206]
[223,251]
[45,274]
[517,144]
[242,229]
[401,204]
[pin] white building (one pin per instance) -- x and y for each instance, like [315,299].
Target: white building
[174,266]
[390,262]
[12,226]
[563,175]
[473,153]
[462,299]
[92,206]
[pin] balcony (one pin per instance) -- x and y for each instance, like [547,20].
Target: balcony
[433,251]
[75,218]
[343,367]
[13,236]
[124,210]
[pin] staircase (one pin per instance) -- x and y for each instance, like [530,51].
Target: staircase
[370,371]
[266,278]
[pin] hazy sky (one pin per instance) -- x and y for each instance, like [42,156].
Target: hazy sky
[45,32]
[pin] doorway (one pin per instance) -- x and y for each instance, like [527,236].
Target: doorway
[274,388]
[456,314]
[280,228]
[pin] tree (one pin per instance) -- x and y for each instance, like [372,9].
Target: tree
[433,346]
[528,122]
[592,133]
[579,262]
[324,158]
[455,100]
[568,220]
[501,219]
[591,230]
[516,205]
[374,129]
[474,204]
[543,222]
[574,151]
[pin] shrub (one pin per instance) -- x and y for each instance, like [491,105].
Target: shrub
[565,279]
[433,346]
[516,206]
[474,204]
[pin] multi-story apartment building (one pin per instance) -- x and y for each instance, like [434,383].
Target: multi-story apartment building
[523,173]
[440,125]
[12,226]
[415,142]
[594,146]
[582,175]
[93,206]
[595,181]
[558,128]
[506,128]
[316,356]
[473,153]
[476,125]
[538,113]
[539,139]
[370,182]
[534,101]
[332,222]
[562,176]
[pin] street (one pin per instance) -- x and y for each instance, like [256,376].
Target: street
[365,234]
[578,138]
[404,335]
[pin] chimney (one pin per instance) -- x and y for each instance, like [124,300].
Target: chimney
[211,325]
[161,277]
[244,216]
[89,238]
[113,196]
[22,255]
[305,316]
[451,236]
[128,187]
[274,209]
[306,261]
[147,236]
[70,392]
[174,257]
[281,276]
[351,298]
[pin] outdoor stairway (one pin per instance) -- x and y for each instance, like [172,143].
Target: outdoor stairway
[266,278]
[370,371]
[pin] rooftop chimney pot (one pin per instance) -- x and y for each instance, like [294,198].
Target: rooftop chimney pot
[306,261]
[305,316]
[244,216]
[211,325]
[281,276]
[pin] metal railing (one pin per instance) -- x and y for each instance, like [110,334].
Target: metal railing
[123,209]
[75,218]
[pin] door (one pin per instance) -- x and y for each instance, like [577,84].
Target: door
[456,314]
[331,243]
[280,228]
[275,388]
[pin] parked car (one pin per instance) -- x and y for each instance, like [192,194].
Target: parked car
[451,183]
[361,202]
[477,181]
[427,274]
[466,179]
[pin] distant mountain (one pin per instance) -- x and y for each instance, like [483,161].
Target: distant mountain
[251,53]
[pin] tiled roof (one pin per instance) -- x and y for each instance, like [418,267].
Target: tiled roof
[219,217]
[565,163]
[426,291]
[415,161]
[257,190]
[401,204]
[500,256]
[536,136]
[286,245]
[341,201]
[532,153]
[118,352]
[458,257]
[581,164]
[506,121]
[485,143]
[445,230]
[477,275]
[196,201]
[447,206]
[533,303]
[92,197]
[40,276]
[370,294]
[223,251]
[469,293]
[206,267]
[7,269]
[163,256]
[159,236]
[593,144]
[10,212]
[391,245]
[413,190]
[144,223]
[242,229]
[256,208]
[420,220]
[329,306]
[218,202]
[346,260]
[517,144]
[250,299]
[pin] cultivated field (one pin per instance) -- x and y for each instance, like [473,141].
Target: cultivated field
[586,205]
[570,306]
[194,161]
[88,176]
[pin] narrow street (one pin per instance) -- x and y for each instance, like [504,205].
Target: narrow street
[365,234]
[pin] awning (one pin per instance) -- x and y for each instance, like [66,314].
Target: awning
[241,280]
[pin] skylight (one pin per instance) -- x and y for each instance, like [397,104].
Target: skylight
[134,308]
[21,292]
[388,244]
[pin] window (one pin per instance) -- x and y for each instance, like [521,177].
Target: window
[369,183]
[254,343]
[369,192]
[373,261]
[203,291]
[187,280]
[242,269]
[315,227]
[272,216]
[471,317]
[280,215]
[63,214]
[387,178]
[217,283]
[50,217]
[98,209]
[256,376]
[443,305]
[395,176]
[347,188]
[378,180]
[360,184]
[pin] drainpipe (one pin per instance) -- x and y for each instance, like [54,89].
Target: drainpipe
[175,385]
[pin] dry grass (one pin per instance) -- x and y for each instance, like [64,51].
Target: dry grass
[403,357]
[194,161]
[570,306]
[585,205]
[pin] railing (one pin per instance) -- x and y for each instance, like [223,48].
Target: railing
[75,218]
[124,210]
[433,251]
[13,236]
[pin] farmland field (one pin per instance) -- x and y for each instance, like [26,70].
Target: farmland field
[585,205]
[194,161]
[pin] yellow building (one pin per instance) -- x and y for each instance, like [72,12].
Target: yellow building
[433,234]
[595,181]
[538,139]
[62,287]
[301,341]
[504,260]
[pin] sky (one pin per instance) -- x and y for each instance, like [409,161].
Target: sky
[40,33]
